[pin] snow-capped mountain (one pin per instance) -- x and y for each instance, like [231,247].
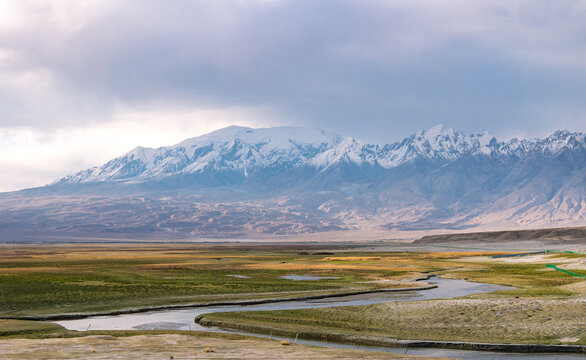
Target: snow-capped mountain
[288,180]
[241,150]
[230,149]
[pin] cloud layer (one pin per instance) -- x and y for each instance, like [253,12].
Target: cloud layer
[377,70]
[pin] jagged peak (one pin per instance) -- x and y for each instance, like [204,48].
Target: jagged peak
[280,137]
[438,130]
[442,142]
[242,148]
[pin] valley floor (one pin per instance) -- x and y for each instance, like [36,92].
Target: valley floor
[546,306]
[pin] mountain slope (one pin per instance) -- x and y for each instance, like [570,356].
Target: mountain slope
[233,149]
[239,181]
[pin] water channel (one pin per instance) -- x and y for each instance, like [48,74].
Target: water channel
[183,319]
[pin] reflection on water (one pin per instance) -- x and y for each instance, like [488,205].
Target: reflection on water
[306,277]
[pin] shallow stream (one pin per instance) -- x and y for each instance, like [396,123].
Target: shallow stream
[183,319]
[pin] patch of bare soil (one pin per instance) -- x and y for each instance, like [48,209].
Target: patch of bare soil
[578,287]
[577,264]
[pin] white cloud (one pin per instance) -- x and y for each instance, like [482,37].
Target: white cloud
[31,157]
[67,15]
[80,80]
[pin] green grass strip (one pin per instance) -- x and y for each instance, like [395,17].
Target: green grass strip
[566,271]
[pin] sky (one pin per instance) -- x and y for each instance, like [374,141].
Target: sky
[82,82]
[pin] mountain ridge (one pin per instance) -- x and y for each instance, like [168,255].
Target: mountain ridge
[238,182]
[239,148]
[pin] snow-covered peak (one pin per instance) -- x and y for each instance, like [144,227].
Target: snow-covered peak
[548,146]
[485,138]
[349,150]
[437,130]
[560,140]
[240,150]
[275,138]
[143,154]
[437,144]
[437,138]
[441,138]
[234,148]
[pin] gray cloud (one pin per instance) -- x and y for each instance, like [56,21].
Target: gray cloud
[377,70]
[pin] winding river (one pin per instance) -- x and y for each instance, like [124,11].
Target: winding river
[183,319]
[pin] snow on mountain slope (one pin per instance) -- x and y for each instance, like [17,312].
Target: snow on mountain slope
[242,150]
[436,144]
[232,148]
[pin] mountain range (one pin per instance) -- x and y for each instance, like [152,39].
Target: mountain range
[242,182]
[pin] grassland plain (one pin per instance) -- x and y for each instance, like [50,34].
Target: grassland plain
[37,280]
[545,308]
[56,279]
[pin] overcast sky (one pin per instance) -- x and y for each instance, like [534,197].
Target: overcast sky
[84,81]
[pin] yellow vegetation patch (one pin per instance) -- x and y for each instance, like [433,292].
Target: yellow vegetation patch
[25,253]
[93,255]
[178,266]
[297,266]
[13,270]
[352,258]
[120,256]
